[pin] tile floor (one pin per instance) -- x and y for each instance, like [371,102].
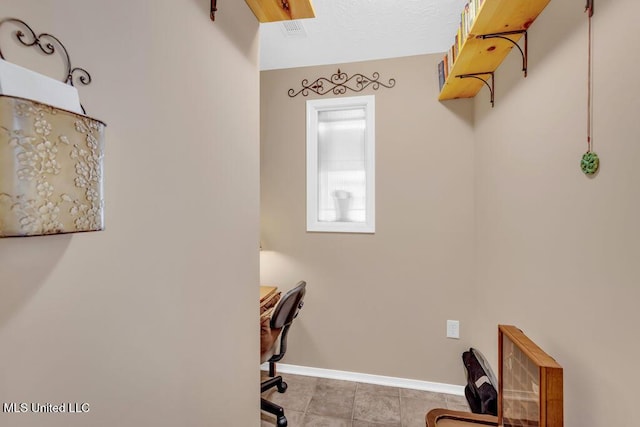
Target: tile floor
[320,402]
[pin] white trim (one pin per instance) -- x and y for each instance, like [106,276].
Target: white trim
[457,390]
[313,108]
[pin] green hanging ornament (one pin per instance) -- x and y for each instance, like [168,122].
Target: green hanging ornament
[589,163]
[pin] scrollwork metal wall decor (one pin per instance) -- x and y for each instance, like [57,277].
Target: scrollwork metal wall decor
[339,83]
[48,48]
[51,160]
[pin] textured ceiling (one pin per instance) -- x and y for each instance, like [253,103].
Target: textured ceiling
[360,30]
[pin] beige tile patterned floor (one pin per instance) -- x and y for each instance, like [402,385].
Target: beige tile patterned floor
[320,402]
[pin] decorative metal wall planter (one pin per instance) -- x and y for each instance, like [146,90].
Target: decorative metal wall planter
[51,160]
[50,170]
[339,83]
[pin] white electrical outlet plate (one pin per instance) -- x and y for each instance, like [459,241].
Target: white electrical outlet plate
[453,329]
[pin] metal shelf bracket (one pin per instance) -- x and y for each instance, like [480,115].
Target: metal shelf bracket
[214,8]
[476,76]
[504,35]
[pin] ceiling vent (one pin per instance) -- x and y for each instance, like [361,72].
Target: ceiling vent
[293,29]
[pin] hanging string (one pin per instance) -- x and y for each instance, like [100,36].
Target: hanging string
[590,163]
[589,10]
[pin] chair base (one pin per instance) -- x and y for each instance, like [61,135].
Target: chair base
[270,407]
[274,382]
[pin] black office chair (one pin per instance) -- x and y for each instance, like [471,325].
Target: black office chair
[281,319]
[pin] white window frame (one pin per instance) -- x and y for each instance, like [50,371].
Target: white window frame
[314,107]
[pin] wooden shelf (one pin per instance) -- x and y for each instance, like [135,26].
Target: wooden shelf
[479,55]
[274,10]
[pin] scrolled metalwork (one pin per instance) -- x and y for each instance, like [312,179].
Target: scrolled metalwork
[339,83]
[477,77]
[504,35]
[47,44]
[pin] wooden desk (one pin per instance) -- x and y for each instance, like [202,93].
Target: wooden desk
[266,292]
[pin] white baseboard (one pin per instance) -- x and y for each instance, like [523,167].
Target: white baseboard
[457,390]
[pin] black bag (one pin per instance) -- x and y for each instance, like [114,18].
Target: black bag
[480,390]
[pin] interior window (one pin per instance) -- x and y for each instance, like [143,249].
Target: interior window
[340,165]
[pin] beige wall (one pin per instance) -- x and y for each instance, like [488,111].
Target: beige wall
[153,321]
[558,252]
[376,303]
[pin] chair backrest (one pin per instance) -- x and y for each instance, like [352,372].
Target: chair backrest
[288,306]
